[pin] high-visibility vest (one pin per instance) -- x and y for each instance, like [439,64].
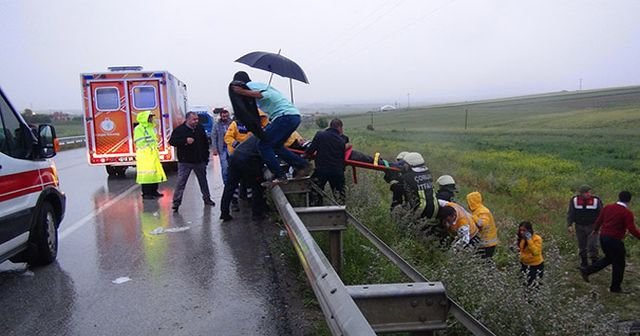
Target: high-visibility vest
[148,166]
[463,217]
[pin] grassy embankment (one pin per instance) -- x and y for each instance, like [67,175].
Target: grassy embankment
[526,159]
[68,128]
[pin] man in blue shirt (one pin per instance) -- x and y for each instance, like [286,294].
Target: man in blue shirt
[284,118]
[217,140]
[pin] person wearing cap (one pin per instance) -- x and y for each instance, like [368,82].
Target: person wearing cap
[446,188]
[613,223]
[149,171]
[418,186]
[394,178]
[219,145]
[488,232]
[583,211]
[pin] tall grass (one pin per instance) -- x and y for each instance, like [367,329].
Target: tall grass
[492,292]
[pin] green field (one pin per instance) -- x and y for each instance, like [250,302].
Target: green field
[69,128]
[526,157]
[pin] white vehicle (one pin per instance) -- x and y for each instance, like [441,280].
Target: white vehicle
[31,203]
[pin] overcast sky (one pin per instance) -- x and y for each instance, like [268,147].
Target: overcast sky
[373,51]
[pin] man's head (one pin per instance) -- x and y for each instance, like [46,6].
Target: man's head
[224,115]
[337,124]
[585,191]
[624,197]
[242,76]
[447,215]
[191,119]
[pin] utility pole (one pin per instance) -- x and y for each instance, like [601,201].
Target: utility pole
[466,117]
[580,84]
[408,101]
[372,119]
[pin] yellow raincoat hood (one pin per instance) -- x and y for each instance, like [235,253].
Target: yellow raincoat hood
[475,200]
[143,118]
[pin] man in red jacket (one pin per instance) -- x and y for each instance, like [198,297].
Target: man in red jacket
[613,222]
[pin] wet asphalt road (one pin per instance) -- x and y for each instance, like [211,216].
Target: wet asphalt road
[213,279]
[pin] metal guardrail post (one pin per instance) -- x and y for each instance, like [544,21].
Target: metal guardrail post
[331,219]
[341,313]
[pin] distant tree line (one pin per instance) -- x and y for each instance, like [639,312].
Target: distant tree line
[32,118]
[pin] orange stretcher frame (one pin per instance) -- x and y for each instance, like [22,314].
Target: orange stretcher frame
[356,164]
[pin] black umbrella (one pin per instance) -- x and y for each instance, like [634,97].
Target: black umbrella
[275,63]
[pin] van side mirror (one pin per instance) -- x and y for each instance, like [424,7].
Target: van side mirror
[47,141]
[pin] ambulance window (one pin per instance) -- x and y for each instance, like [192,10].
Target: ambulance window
[107,99]
[144,97]
[15,138]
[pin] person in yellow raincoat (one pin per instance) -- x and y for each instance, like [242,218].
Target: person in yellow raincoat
[148,166]
[485,223]
[237,133]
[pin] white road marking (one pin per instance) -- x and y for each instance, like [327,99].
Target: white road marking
[84,220]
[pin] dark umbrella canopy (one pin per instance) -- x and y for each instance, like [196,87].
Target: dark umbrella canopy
[275,63]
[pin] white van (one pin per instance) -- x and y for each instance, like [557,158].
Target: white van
[31,203]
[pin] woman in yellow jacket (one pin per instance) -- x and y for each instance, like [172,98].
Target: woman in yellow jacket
[530,246]
[485,223]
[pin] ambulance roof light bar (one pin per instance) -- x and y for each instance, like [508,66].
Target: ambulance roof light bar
[125,68]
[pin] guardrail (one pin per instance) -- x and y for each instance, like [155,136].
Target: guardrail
[72,141]
[418,307]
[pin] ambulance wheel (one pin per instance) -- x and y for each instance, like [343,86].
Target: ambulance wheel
[120,170]
[111,170]
[44,237]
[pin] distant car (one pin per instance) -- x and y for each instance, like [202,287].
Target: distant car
[31,202]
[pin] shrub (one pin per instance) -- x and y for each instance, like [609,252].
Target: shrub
[322,122]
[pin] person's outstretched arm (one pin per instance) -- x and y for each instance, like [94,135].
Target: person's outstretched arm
[247,93]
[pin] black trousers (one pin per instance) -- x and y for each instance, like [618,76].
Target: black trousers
[614,255]
[532,273]
[249,172]
[336,181]
[149,189]
[486,252]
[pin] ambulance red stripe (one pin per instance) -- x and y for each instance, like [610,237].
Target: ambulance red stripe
[24,183]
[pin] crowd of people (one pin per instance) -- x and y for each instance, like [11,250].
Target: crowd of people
[264,129]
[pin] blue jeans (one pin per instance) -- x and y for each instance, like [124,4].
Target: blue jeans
[224,164]
[275,135]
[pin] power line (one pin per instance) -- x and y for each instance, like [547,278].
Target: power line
[355,33]
[403,28]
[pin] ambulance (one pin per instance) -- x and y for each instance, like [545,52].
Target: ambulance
[31,202]
[113,99]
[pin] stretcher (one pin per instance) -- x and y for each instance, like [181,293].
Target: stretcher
[358,164]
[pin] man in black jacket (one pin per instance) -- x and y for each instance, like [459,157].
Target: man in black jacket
[329,146]
[192,145]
